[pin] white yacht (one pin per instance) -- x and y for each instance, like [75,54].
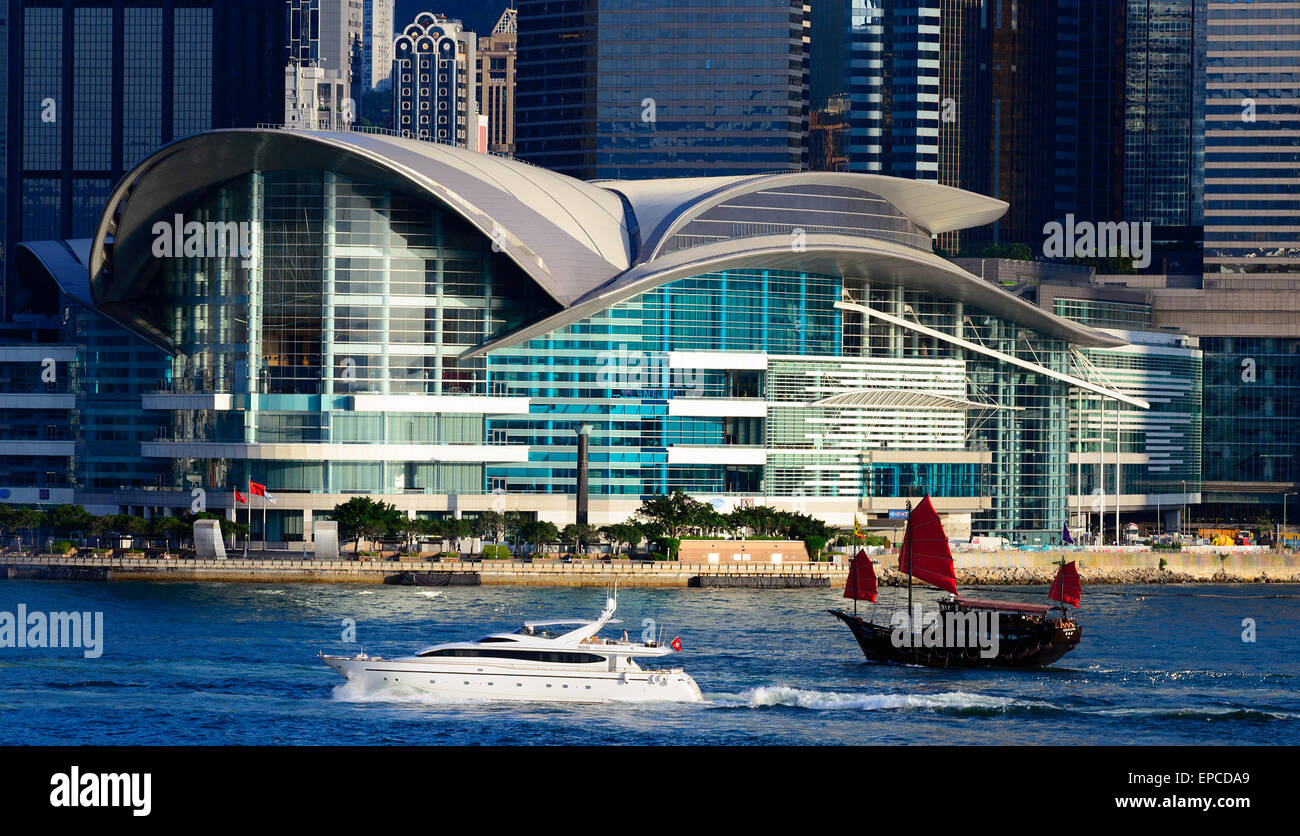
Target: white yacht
[560,661]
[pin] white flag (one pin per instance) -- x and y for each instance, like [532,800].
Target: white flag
[268,497]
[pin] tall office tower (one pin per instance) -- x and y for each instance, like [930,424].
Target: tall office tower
[1088,142]
[376,44]
[325,33]
[909,78]
[612,89]
[323,80]
[1247,312]
[1013,100]
[434,82]
[1164,133]
[92,87]
[1252,146]
[496,82]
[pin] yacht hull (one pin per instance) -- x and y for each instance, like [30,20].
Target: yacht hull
[1023,643]
[479,681]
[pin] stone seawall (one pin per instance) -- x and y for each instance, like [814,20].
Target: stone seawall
[973,569]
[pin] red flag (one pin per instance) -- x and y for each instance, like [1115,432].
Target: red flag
[925,554]
[255,489]
[676,644]
[239,497]
[861,583]
[1068,587]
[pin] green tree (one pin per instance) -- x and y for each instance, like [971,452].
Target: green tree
[675,514]
[491,525]
[69,519]
[539,533]
[362,517]
[580,534]
[624,533]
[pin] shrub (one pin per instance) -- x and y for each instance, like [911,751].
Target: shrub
[61,547]
[496,552]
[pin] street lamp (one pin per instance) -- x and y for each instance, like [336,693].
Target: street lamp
[1282,533]
[1182,514]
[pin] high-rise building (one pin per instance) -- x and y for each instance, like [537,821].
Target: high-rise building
[1252,146]
[376,44]
[323,80]
[615,89]
[435,82]
[91,87]
[1247,311]
[326,33]
[496,82]
[1164,112]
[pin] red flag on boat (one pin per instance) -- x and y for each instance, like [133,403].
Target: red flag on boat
[256,489]
[1067,588]
[239,497]
[861,583]
[676,644]
[925,554]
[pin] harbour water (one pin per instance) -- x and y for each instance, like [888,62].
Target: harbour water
[218,663]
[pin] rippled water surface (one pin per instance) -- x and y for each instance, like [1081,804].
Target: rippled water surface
[235,663]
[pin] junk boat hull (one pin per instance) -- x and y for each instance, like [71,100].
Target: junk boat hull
[1024,641]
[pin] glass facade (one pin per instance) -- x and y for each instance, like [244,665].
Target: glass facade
[338,352]
[1104,314]
[618,89]
[1164,134]
[1252,398]
[1160,448]
[92,87]
[357,290]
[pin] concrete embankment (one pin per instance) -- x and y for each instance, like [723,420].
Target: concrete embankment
[973,569]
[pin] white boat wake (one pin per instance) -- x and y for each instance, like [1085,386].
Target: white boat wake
[770,696]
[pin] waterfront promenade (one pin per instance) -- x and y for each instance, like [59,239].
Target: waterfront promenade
[973,569]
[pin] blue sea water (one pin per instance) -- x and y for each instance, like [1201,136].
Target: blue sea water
[191,663]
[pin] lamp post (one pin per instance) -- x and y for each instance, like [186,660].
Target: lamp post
[1182,514]
[1282,533]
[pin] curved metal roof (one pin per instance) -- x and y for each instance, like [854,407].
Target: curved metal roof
[581,242]
[665,206]
[834,255]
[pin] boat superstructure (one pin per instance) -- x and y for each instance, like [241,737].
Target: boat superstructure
[563,660]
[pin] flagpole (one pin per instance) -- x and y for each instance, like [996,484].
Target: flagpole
[263,523]
[249,533]
[907,543]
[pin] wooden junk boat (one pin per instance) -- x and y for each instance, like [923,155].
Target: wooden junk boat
[1027,636]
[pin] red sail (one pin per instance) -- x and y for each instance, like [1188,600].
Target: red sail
[861,584]
[925,554]
[1067,588]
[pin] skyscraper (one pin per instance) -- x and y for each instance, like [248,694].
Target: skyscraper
[1252,145]
[1164,136]
[92,87]
[496,82]
[1017,101]
[617,89]
[435,82]
[323,79]
[376,44]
